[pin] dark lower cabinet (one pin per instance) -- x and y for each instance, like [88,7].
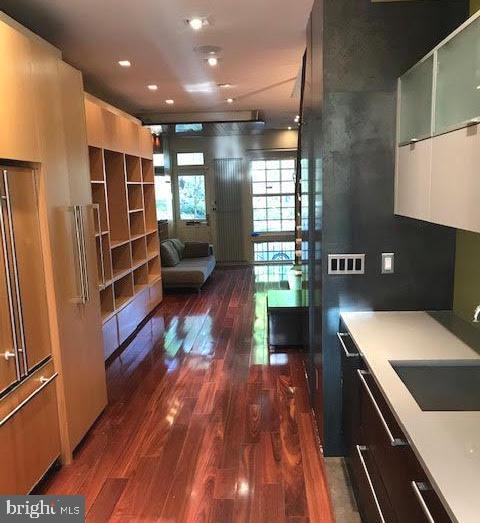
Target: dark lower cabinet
[389,483]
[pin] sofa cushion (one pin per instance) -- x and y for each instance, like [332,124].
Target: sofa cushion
[179,246]
[169,254]
[196,250]
[191,272]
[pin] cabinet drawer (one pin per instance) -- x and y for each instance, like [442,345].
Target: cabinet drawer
[393,457]
[351,362]
[29,432]
[156,295]
[110,336]
[131,315]
[372,497]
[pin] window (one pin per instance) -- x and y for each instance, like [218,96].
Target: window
[191,197]
[188,128]
[158,160]
[185,159]
[273,195]
[163,197]
[282,252]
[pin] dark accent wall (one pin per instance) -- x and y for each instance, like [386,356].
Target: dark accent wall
[364,47]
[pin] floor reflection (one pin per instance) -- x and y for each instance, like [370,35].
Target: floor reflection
[202,423]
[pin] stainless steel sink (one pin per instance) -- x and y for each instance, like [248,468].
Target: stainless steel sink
[449,385]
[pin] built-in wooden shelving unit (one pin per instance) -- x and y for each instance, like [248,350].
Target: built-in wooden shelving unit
[123,192]
[127,244]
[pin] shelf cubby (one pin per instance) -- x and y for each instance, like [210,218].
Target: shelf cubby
[99,198]
[117,195]
[154,269]
[139,251]
[140,278]
[95,156]
[153,244]
[123,290]
[132,164]
[107,303]
[147,171]
[150,207]
[135,197]
[121,260]
[137,224]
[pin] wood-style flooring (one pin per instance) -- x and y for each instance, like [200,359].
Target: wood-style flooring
[202,424]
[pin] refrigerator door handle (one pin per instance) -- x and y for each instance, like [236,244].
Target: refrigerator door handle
[86,282]
[14,353]
[77,220]
[19,349]
[96,209]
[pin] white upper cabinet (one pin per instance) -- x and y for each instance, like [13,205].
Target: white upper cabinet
[457,97]
[416,102]
[412,182]
[455,183]
[439,106]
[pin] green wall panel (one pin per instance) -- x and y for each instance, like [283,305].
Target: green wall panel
[467,259]
[467,274]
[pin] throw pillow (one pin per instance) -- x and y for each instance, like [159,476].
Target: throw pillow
[179,246]
[169,254]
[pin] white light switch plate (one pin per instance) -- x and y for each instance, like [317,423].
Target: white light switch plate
[388,262]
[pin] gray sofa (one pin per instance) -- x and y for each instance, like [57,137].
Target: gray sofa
[186,264]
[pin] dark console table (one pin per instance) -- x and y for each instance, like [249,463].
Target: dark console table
[287,317]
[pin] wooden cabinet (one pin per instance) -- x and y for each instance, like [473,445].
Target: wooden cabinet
[123,191]
[110,337]
[18,139]
[132,315]
[389,483]
[156,295]
[82,356]
[455,182]
[112,129]
[29,432]
[412,180]
[43,110]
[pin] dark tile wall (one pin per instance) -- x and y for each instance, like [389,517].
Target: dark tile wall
[364,47]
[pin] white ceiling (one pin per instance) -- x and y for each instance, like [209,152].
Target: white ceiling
[262,41]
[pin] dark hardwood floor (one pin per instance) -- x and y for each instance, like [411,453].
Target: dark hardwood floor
[202,424]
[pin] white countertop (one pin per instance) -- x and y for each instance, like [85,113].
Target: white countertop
[446,443]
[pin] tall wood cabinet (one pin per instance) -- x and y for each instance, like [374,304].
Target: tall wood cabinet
[126,234]
[53,387]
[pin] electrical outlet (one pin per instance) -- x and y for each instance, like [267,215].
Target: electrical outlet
[388,262]
[346,264]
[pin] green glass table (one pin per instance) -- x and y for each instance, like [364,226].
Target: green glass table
[287,318]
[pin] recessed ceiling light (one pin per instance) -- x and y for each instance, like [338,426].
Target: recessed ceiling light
[297,118]
[212,61]
[124,63]
[169,101]
[197,23]
[289,127]
[224,86]
[230,100]
[152,87]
